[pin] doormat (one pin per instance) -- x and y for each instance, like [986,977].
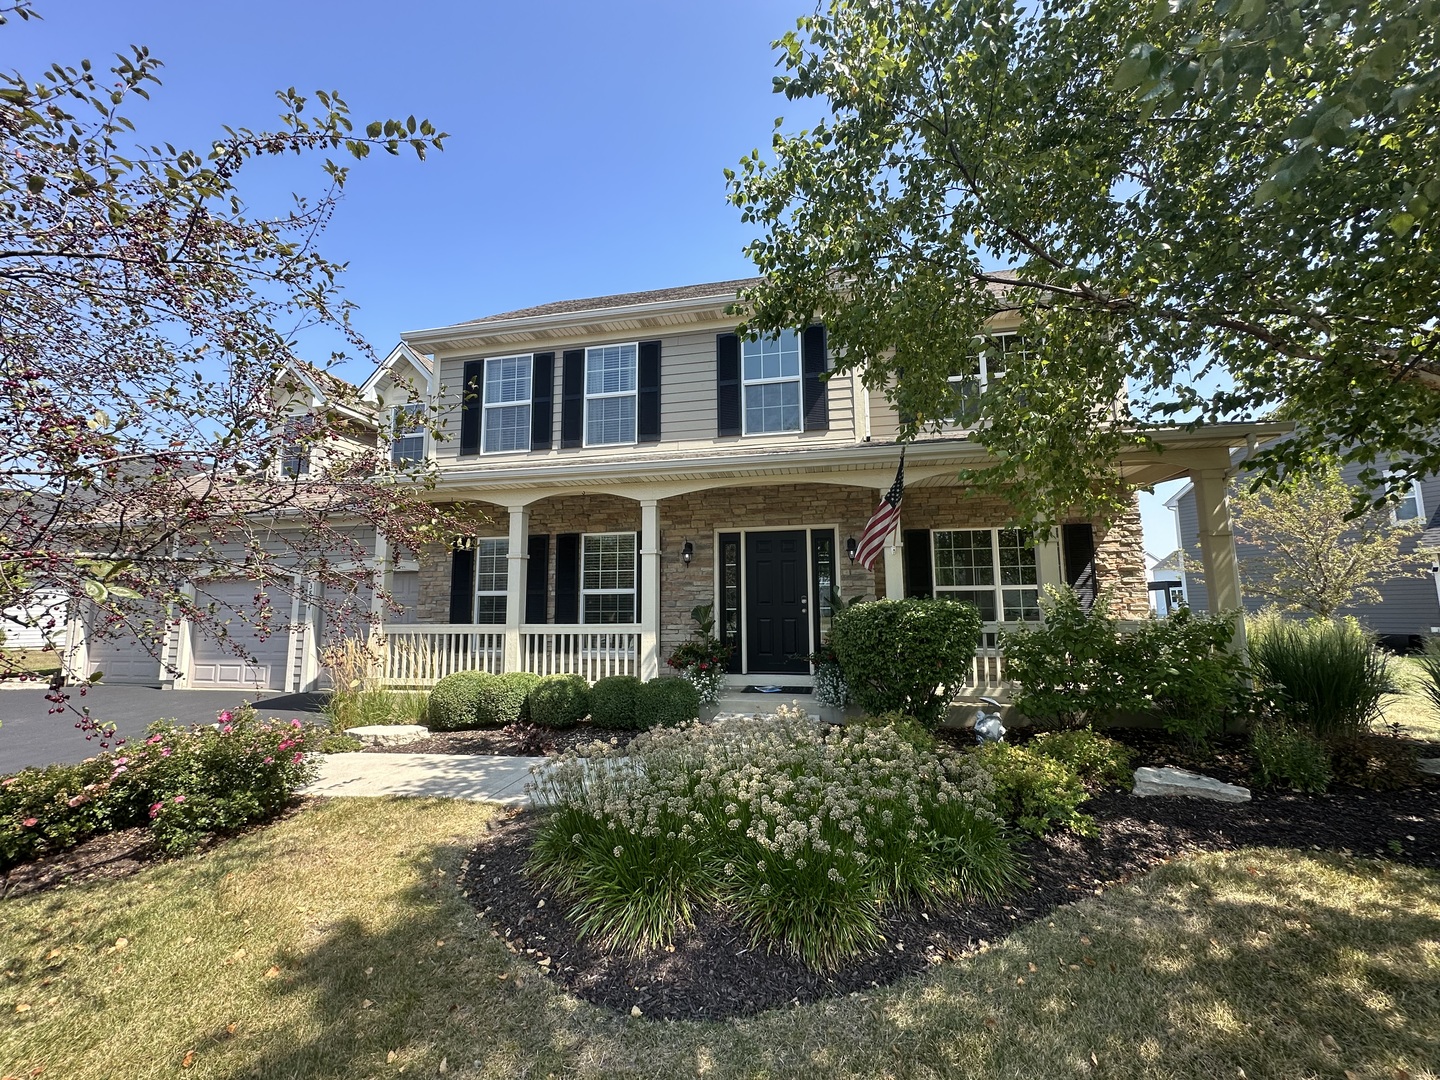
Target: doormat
[775,690]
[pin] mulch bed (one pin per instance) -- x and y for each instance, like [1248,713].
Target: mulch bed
[715,971]
[502,741]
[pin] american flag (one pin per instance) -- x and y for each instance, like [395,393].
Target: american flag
[872,540]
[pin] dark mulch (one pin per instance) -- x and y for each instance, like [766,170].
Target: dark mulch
[715,971]
[503,741]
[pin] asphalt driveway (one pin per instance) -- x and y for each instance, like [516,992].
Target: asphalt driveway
[31,735]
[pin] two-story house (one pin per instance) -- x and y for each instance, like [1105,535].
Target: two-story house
[634,459]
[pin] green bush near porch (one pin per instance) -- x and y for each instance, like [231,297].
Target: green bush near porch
[559,701]
[612,702]
[666,703]
[455,701]
[907,656]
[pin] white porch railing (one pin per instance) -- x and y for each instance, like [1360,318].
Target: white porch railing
[987,669]
[589,651]
[418,656]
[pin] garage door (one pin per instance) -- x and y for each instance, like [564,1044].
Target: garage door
[215,664]
[122,660]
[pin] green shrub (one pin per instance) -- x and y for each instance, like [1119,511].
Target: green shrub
[612,702]
[1376,762]
[908,656]
[1095,758]
[559,701]
[185,782]
[907,727]
[1081,668]
[1287,756]
[666,703]
[802,833]
[1326,676]
[1429,661]
[501,698]
[331,743]
[455,701]
[1035,792]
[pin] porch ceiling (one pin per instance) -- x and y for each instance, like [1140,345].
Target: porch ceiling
[929,463]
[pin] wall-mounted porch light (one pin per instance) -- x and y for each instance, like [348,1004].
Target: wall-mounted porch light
[851,547]
[687,552]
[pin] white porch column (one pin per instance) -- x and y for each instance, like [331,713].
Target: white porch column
[649,588]
[383,580]
[517,561]
[77,644]
[1052,575]
[310,634]
[1217,546]
[176,649]
[894,551]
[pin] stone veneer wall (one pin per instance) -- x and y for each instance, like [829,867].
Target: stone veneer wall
[697,517]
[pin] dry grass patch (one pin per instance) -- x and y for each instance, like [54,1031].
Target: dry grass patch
[314,949]
[1410,708]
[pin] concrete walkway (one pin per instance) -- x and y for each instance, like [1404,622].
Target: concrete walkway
[482,777]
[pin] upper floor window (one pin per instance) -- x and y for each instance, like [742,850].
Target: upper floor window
[295,454]
[607,578]
[506,420]
[990,365]
[770,373]
[407,434]
[610,377]
[994,569]
[492,578]
[1409,508]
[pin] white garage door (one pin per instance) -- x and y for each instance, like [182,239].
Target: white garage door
[122,659]
[215,664]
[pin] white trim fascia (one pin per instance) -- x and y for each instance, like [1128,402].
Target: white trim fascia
[401,351]
[1173,503]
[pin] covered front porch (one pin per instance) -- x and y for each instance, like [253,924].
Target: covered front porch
[594,569]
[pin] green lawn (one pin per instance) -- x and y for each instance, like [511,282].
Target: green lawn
[1410,708]
[37,661]
[334,944]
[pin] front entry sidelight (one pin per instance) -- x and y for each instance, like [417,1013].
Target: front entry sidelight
[777,618]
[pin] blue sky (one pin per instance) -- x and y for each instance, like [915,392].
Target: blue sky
[587,140]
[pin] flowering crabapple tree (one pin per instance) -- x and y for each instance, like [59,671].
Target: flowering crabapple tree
[149,319]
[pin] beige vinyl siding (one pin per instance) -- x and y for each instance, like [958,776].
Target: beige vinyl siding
[687,403]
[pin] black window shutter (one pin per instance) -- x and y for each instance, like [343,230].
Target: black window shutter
[542,394]
[567,578]
[572,400]
[462,585]
[472,405]
[1078,542]
[814,364]
[647,423]
[727,384]
[919,581]
[537,579]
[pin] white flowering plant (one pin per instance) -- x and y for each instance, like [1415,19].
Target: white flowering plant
[802,834]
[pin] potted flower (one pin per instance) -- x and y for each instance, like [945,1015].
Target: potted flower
[830,687]
[702,658]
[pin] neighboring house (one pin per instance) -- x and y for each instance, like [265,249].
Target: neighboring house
[1409,608]
[1166,582]
[39,623]
[634,458]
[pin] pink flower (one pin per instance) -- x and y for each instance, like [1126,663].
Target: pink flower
[269,761]
[166,752]
[77,800]
[226,716]
[226,730]
[118,770]
[121,760]
[295,724]
[153,739]
[155,809]
[297,759]
[179,798]
[30,822]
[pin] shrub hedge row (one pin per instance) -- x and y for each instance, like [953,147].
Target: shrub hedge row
[478,699]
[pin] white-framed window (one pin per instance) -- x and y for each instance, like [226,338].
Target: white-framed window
[610,398]
[294,453]
[1410,508]
[995,569]
[770,378]
[506,420]
[492,578]
[607,577]
[407,434]
[990,365]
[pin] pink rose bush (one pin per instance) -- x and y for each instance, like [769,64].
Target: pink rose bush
[183,783]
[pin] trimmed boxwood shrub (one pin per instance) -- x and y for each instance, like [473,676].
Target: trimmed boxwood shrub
[1035,792]
[666,703]
[612,702]
[559,701]
[455,701]
[502,698]
[908,656]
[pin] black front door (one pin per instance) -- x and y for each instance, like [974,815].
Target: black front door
[777,622]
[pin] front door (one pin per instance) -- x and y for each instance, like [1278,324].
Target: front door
[777,626]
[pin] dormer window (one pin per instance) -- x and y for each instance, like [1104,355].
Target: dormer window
[770,373]
[295,454]
[1409,508]
[989,366]
[407,434]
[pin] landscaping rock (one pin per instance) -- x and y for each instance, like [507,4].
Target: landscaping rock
[1173,781]
[388,734]
[1430,765]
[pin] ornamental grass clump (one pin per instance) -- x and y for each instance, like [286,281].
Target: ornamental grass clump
[1326,676]
[802,835]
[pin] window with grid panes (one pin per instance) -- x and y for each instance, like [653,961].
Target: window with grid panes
[610,378]
[770,370]
[407,434]
[995,569]
[607,578]
[492,578]
[507,404]
[988,367]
